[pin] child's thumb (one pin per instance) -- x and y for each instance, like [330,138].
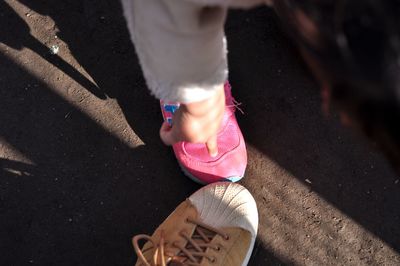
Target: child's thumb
[212,146]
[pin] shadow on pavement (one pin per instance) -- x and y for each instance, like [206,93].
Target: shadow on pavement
[86,193]
[18,36]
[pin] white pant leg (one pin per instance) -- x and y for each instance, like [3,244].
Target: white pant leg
[180,45]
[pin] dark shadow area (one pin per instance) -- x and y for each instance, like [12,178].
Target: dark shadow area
[86,193]
[98,38]
[284,121]
[262,256]
[15,33]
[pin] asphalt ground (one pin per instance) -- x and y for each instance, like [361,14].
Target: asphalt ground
[82,168]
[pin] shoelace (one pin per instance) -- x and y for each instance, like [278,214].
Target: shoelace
[236,105]
[229,98]
[191,254]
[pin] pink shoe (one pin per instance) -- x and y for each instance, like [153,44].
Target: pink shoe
[231,161]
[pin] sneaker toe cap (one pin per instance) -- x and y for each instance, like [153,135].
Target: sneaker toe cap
[225,204]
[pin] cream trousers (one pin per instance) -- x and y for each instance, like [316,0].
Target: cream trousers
[181,45]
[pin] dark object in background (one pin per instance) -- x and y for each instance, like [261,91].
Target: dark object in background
[353,47]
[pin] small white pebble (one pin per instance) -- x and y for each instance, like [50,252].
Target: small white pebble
[54,49]
[308,181]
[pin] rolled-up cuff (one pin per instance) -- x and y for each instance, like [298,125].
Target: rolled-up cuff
[190,90]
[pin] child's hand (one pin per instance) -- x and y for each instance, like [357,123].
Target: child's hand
[197,122]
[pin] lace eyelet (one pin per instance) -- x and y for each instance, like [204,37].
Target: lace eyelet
[227,237]
[212,260]
[218,248]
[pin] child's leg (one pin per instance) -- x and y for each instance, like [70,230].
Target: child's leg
[180,45]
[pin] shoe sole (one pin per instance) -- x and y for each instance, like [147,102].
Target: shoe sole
[248,255]
[232,179]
